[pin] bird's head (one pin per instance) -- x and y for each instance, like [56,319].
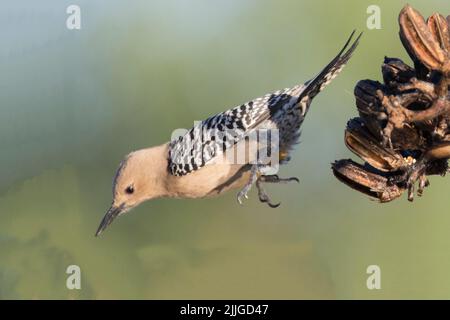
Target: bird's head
[141,176]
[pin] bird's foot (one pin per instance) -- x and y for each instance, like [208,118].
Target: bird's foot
[243,193]
[262,194]
[263,197]
[253,178]
[276,179]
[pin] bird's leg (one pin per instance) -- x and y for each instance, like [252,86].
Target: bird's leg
[276,179]
[253,178]
[263,197]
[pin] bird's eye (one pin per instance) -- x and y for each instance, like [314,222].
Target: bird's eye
[129,189]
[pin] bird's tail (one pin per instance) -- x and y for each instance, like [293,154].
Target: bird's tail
[318,83]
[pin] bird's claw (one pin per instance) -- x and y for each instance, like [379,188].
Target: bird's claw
[242,194]
[263,197]
[276,179]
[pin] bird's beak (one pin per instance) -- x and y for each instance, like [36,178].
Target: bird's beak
[112,213]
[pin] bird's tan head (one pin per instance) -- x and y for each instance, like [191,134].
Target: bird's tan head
[141,176]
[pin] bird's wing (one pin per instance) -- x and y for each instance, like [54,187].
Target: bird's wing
[218,133]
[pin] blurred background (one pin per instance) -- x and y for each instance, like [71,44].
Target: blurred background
[74,102]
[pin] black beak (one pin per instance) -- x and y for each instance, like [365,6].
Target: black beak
[112,213]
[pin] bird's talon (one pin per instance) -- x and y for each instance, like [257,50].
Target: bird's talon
[263,197]
[240,196]
[276,179]
[273,205]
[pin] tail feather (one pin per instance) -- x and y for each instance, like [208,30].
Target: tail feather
[318,83]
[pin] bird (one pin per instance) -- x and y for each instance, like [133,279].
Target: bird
[197,164]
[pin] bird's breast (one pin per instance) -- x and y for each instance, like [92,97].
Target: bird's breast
[211,180]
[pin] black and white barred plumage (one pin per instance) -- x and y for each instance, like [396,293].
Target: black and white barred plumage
[284,109]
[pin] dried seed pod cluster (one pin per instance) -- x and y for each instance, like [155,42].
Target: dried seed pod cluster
[403,129]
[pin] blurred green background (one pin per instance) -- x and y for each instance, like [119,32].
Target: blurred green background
[73,103]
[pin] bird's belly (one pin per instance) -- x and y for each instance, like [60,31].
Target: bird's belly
[212,180]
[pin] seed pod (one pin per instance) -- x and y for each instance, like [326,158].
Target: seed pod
[440,31]
[361,142]
[364,180]
[395,72]
[419,41]
[439,151]
[369,105]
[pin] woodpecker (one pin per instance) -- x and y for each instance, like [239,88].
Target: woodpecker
[197,164]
